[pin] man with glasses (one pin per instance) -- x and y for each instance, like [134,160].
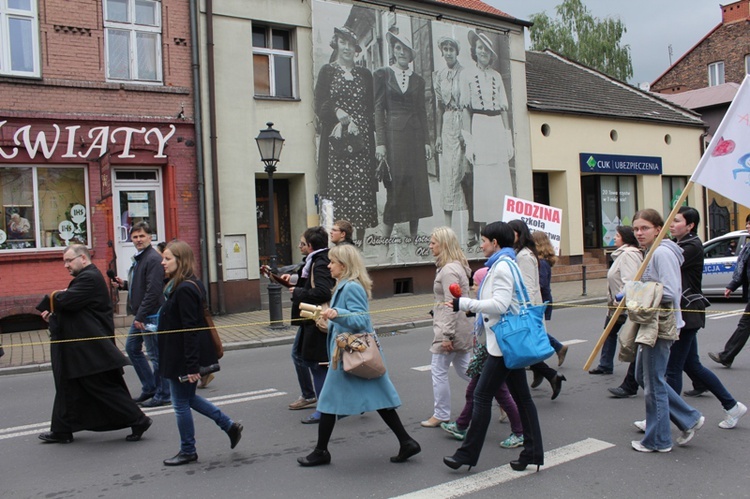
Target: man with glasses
[341,232]
[91,393]
[145,287]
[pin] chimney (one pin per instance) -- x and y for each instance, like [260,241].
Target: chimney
[737,11]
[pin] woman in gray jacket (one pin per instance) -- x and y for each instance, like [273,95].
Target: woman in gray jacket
[452,342]
[627,259]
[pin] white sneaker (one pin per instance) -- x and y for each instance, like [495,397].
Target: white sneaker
[641,425]
[733,416]
[641,448]
[688,434]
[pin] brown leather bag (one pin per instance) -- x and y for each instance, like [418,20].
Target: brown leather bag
[209,320]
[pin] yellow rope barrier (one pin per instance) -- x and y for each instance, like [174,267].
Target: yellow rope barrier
[372,312]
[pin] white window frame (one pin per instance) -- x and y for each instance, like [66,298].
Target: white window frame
[747,63]
[715,73]
[6,14]
[133,30]
[38,245]
[271,53]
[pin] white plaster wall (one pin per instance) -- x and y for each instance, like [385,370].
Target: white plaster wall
[571,135]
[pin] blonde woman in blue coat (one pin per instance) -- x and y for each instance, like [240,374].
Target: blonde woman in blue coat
[344,394]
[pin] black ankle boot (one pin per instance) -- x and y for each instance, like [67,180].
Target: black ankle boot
[408,449]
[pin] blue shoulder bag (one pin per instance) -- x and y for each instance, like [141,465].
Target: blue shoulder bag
[522,337]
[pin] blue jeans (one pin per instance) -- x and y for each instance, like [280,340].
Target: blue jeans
[607,357]
[183,399]
[684,357]
[134,349]
[662,402]
[554,343]
[302,369]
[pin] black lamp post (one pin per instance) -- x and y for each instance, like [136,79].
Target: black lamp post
[270,143]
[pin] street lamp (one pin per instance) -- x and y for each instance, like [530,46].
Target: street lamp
[270,143]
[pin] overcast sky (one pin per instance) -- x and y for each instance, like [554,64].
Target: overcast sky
[652,25]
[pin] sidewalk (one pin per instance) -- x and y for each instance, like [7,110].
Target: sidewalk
[29,351]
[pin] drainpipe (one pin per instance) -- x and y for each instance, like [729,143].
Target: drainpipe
[214,153]
[198,120]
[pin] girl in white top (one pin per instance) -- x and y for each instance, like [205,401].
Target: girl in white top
[496,297]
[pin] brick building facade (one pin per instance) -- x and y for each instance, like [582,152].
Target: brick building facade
[96,133]
[708,72]
[719,57]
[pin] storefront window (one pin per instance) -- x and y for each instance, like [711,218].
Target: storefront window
[671,190]
[43,207]
[618,204]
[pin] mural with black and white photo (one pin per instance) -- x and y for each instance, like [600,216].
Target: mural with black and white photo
[413,128]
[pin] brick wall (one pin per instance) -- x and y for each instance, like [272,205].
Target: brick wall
[73,90]
[729,43]
[71,35]
[735,12]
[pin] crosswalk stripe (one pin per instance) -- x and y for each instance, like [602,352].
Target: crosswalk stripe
[502,474]
[31,429]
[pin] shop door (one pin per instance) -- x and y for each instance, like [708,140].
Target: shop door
[137,197]
[592,220]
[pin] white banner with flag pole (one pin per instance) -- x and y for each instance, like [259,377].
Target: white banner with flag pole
[725,166]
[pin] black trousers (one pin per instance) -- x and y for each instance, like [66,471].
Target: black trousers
[737,341]
[493,374]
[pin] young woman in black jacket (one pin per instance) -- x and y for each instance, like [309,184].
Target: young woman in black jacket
[684,353]
[184,348]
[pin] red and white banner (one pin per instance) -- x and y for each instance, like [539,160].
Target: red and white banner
[539,217]
[725,166]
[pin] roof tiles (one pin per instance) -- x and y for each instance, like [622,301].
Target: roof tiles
[559,85]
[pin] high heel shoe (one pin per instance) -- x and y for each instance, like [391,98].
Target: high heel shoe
[315,458]
[454,463]
[408,449]
[521,465]
[556,384]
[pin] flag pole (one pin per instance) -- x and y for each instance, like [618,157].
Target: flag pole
[621,306]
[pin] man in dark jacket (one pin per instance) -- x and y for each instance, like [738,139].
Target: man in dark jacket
[740,277]
[145,286]
[91,393]
[316,289]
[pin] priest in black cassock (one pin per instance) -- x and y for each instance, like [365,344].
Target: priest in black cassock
[91,393]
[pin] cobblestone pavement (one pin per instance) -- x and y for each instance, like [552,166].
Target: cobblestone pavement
[29,351]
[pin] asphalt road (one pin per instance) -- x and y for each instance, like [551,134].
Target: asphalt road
[587,437]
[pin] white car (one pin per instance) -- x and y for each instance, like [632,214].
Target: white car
[720,259]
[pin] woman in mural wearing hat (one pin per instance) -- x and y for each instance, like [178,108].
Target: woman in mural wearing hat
[402,139]
[346,159]
[486,130]
[449,143]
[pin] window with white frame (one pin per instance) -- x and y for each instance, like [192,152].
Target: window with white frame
[715,73]
[132,34]
[747,64]
[273,62]
[43,207]
[19,38]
